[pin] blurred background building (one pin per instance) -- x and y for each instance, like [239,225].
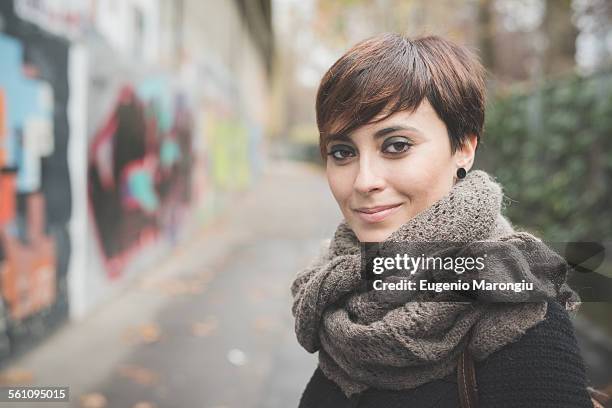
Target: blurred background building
[129,126]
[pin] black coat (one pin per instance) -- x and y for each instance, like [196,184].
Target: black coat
[543,368]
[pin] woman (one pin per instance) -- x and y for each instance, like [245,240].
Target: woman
[400,120]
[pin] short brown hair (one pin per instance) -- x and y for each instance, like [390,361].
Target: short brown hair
[395,72]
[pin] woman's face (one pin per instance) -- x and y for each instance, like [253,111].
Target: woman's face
[385,173]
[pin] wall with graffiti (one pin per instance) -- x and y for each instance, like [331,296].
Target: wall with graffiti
[108,160]
[139,172]
[35,196]
[161,158]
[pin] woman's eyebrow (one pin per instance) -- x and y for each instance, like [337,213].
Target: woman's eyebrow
[385,131]
[342,137]
[338,137]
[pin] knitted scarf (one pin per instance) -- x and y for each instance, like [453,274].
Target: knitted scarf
[372,339]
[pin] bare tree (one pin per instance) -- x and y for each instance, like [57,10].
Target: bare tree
[560,37]
[485,33]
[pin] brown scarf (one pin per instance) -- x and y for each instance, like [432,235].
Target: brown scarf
[389,341]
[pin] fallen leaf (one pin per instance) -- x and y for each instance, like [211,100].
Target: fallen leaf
[15,376]
[205,328]
[150,333]
[264,323]
[146,333]
[144,404]
[93,400]
[138,374]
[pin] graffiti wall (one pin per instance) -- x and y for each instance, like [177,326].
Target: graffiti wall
[229,146]
[140,165]
[106,161]
[163,157]
[35,200]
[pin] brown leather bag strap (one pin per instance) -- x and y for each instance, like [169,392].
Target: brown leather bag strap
[466,380]
[599,398]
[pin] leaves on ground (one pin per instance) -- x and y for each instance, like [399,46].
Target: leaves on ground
[205,328]
[139,374]
[144,404]
[143,334]
[93,400]
[16,376]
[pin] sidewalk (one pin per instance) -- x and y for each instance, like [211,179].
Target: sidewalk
[211,326]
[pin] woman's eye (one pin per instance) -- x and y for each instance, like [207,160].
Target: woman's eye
[397,146]
[341,153]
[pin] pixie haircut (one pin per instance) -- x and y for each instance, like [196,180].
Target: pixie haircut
[390,73]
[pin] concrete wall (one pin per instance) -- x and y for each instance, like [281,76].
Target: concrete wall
[124,125]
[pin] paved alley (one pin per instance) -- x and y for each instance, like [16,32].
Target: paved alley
[212,325]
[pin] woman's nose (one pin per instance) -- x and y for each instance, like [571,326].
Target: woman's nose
[369,178]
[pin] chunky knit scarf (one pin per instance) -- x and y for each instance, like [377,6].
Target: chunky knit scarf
[374,339]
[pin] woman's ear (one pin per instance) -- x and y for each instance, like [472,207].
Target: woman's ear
[464,156]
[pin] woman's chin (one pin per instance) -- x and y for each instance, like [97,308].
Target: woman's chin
[378,235]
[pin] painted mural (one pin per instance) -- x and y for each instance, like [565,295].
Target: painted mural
[34,185]
[229,145]
[140,169]
[160,155]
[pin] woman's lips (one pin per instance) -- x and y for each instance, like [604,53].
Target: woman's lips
[376,214]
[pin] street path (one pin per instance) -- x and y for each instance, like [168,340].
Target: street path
[211,326]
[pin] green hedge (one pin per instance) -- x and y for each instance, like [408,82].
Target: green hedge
[552,151]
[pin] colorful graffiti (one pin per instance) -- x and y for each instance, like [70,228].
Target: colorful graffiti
[34,184]
[229,145]
[153,165]
[140,168]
